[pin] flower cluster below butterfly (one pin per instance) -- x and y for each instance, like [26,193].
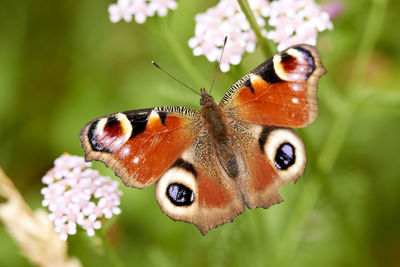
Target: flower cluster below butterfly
[208,164]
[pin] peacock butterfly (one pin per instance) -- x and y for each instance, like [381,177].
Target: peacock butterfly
[208,164]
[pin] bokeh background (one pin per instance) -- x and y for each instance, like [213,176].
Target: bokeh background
[63,63]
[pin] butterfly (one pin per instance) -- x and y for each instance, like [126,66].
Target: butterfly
[208,164]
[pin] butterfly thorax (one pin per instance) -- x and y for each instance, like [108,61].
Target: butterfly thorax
[213,117]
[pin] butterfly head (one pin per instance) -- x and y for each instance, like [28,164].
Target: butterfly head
[206,100]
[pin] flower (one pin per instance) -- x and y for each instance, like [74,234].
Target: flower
[65,229]
[77,195]
[90,224]
[292,22]
[298,24]
[125,9]
[226,19]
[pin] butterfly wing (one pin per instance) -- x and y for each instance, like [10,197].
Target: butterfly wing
[140,145]
[272,157]
[197,191]
[279,93]
[282,91]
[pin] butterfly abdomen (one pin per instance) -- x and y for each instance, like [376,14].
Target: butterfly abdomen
[227,158]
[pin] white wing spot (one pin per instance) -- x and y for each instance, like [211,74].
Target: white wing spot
[296,87]
[136,160]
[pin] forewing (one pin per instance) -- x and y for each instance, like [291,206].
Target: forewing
[140,145]
[282,91]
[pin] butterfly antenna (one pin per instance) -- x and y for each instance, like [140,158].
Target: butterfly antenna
[219,64]
[190,88]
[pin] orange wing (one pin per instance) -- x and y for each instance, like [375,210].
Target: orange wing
[140,145]
[282,91]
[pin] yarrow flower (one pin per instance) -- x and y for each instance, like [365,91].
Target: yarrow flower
[141,9]
[78,195]
[293,22]
[226,19]
[296,22]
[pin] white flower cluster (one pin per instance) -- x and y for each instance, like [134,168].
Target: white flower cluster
[77,195]
[226,19]
[295,22]
[125,9]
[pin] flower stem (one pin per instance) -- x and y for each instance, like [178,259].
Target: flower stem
[112,255]
[266,46]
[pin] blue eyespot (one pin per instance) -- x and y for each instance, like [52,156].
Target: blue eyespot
[180,195]
[285,156]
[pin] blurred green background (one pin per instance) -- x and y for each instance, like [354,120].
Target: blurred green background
[63,63]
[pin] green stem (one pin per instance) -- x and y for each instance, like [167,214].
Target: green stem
[112,255]
[266,46]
